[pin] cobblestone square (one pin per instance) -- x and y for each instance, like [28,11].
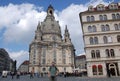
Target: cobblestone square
[27,78]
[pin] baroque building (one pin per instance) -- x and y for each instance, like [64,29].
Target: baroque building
[101,34]
[48,46]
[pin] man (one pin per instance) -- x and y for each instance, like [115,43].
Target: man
[53,72]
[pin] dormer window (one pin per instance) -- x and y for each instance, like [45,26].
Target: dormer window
[100,7]
[113,6]
[91,8]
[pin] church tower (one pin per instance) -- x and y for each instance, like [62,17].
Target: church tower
[48,46]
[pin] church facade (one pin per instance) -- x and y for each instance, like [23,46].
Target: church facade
[48,46]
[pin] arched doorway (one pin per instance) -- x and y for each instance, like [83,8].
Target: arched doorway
[113,70]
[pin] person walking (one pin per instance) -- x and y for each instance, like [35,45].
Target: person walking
[12,74]
[31,74]
[53,72]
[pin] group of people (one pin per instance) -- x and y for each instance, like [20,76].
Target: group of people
[53,72]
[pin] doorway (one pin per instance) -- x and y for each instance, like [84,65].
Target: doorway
[112,69]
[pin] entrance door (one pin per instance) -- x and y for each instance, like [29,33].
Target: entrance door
[113,69]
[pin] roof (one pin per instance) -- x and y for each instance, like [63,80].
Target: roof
[26,62]
[80,57]
[107,8]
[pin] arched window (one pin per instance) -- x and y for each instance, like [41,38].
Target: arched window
[95,40]
[101,17]
[112,53]
[105,39]
[97,53]
[88,18]
[100,70]
[92,18]
[113,16]
[94,28]
[116,26]
[105,17]
[117,16]
[107,28]
[89,28]
[93,54]
[91,40]
[107,52]
[102,27]
[118,38]
[94,69]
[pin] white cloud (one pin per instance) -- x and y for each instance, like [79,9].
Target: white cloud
[20,21]
[20,56]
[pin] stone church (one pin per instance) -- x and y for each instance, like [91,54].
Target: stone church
[48,46]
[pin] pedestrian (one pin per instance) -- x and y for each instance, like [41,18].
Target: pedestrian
[31,74]
[18,75]
[12,74]
[53,72]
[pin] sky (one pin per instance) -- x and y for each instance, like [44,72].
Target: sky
[19,19]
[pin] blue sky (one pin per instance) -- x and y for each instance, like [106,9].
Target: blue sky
[19,19]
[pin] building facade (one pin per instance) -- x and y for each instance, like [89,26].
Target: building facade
[24,67]
[80,62]
[5,60]
[48,46]
[101,34]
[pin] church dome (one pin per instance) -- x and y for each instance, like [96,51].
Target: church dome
[50,25]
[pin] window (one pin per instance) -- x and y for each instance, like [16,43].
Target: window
[105,17]
[64,61]
[93,54]
[92,18]
[105,39]
[113,16]
[43,61]
[100,17]
[89,28]
[118,38]
[107,28]
[100,70]
[116,26]
[97,70]
[88,18]
[109,39]
[94,28]
[97,53]
[91,40]
[44,53]
[102,27]
[94,69]
[112,53]
[117,16]
[33,62]
[107,52]
[96,40]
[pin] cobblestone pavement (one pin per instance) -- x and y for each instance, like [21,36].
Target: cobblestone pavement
[27,78]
